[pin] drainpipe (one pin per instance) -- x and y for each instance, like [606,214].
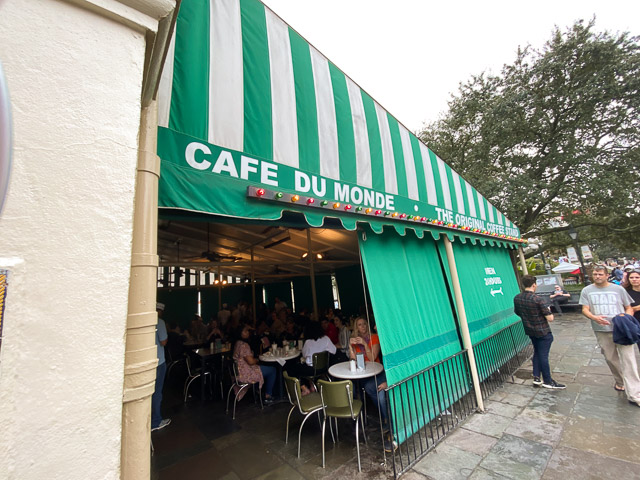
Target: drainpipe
[140,351]
[464,326]
[523,264]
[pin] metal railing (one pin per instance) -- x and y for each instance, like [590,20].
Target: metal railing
[427,406]
[500,355]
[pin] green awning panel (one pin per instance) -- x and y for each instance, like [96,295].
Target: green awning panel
[488,285]
[246,101]
[412,310]
[415,321]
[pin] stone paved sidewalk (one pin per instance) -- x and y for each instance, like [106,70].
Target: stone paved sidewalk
[586,431]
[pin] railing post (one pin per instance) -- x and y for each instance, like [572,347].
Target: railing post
[464,326]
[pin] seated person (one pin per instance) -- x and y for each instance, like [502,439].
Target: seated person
[344,336]
[316,342]
[248,368]
[368,344]
[330,330]
[214,331]
[558,297]
[291,332]
[198,329]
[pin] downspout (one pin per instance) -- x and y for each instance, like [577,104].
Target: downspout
[464,326]
[141,357]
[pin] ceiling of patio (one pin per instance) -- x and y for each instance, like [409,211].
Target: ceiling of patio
[277,250]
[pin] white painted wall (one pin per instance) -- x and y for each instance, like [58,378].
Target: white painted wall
[74,78]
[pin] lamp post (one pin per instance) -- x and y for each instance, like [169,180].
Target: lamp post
[573,233]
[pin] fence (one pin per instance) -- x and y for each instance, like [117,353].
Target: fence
[427,406]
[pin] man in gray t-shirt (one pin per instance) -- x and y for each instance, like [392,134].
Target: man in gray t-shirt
[600,302]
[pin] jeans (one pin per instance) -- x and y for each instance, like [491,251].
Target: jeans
[377,397]
[269,375]
[156,398]
[541,347]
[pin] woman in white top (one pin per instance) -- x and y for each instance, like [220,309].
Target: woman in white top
[316,342]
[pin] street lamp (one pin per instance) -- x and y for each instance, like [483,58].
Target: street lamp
[573,233]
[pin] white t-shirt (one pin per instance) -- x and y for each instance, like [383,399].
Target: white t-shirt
[608,301]
[316,346]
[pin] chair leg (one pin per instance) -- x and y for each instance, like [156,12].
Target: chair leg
[323,427]
[333,438]
[362,425]
[229,396]
[358,444]
[186,390]
[286,437]
[300,432]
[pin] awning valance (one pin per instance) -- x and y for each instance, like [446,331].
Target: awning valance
[246,101]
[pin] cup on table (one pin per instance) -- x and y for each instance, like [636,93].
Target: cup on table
[352,365]
[299,344]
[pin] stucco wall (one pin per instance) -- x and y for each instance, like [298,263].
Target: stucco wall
[74,78]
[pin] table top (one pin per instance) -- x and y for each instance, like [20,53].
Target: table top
[343,370]
[207,352]
[270,357]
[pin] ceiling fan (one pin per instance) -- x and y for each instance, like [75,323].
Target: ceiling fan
[211,256]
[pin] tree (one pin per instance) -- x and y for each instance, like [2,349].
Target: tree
[554,138]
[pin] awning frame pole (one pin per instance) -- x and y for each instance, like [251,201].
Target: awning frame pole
[312,274]
[523,264]
[219,289]
[253,290]
[464,326]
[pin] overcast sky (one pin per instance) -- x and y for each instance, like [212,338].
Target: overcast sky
[409,55]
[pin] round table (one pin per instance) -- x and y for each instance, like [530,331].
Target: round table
[343,370]
[270,357]
[280,360]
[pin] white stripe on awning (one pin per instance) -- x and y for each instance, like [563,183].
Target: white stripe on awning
[226,89]
[458,189]
[409,164]
[327,129]
[361,136]
[390,179]
[470,200]
[446,192]
[283,96]
[432,197]
[483,214]
[499,217]
[491,216]
[166,85]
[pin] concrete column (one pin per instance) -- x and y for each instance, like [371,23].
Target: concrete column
[140,350]
[464,326]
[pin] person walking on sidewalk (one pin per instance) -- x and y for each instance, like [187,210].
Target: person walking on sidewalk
[536,315]
[601,301]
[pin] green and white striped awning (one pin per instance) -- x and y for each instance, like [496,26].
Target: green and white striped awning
[245,101]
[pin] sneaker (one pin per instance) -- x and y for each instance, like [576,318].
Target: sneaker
[390,447]
[554,385]
[536,381]
[163,423]
[268,401]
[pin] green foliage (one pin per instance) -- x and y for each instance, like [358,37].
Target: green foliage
[554,137]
